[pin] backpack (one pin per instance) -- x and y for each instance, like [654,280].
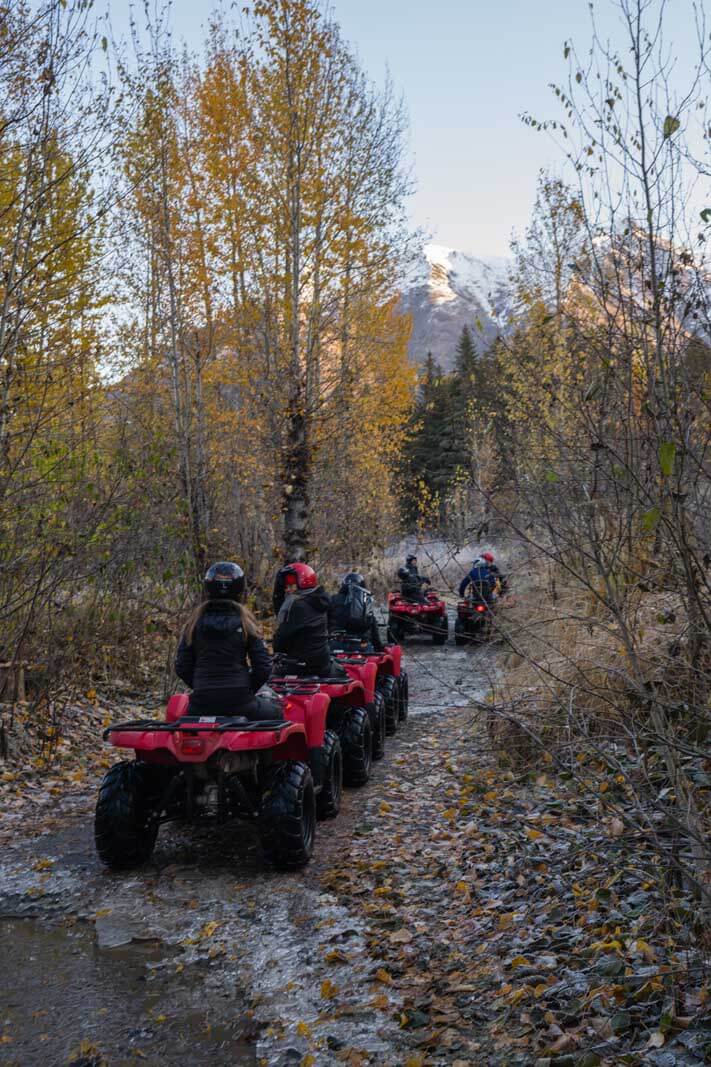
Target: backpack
[359,604]
[482,579]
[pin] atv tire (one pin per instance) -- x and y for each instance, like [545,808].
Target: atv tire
[441,631]
[378,725]
[357,744]
[328,801]
[388,688]
[396,632]
[124,832]
[287,820]
[403,696]
[460,635]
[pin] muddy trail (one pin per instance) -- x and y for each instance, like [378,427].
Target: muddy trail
[205,956]
[461,911]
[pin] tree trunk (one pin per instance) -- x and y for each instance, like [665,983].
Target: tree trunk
[296,480]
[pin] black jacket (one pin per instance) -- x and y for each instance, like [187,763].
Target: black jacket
[279,592]
[302,630]
[220,654]
[339,619]
[411,582]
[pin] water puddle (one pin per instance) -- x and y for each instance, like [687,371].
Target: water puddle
[447,676]
[62,995]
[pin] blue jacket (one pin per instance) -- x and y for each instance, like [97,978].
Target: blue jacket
[481,580]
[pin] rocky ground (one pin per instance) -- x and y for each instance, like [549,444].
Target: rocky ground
[454,914]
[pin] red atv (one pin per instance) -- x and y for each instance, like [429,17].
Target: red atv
[280,773]
[407,617]
[355,714]
[474,617]
[391,684]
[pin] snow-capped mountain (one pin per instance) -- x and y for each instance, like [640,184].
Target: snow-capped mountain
[451,290]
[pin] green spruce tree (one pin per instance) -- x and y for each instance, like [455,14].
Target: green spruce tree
[426,466]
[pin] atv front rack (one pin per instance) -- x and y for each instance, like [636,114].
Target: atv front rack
[192,724]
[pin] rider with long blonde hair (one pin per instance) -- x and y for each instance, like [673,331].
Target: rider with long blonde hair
[221,655]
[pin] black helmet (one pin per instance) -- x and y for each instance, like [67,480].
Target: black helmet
[224,581]
[353,578]
[411,559]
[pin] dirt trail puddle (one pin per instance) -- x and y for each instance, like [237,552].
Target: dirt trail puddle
[61,992]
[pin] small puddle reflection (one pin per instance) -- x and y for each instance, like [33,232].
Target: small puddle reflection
[131,1004]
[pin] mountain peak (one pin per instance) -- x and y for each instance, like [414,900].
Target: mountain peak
[450,290]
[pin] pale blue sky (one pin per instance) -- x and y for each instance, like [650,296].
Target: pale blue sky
[467,69]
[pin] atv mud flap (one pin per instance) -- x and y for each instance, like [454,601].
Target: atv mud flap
[317,763]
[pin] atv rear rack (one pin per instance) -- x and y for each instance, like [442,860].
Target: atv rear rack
[194,725]
[308,683]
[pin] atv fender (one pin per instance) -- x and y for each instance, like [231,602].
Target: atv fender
[177,707]
[365,673]
[315,714]
[395,652]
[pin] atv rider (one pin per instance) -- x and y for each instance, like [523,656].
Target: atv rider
[221,654]
[351,611]
[494,568]
[481,579]
[301,636]
[411,581]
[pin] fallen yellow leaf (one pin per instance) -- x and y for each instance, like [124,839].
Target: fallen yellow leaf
[642,948]
[336,956]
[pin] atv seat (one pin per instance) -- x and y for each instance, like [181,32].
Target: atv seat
[266,707]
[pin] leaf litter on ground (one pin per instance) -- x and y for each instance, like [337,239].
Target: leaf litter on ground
[513,919]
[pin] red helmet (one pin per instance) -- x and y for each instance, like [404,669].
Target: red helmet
[488,556]
[304,576]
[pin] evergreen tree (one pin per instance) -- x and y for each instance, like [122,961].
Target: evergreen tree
[431,454]
[465,388]
[466,362]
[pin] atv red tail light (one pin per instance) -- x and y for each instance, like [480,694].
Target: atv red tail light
[480,608]
[191,746]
